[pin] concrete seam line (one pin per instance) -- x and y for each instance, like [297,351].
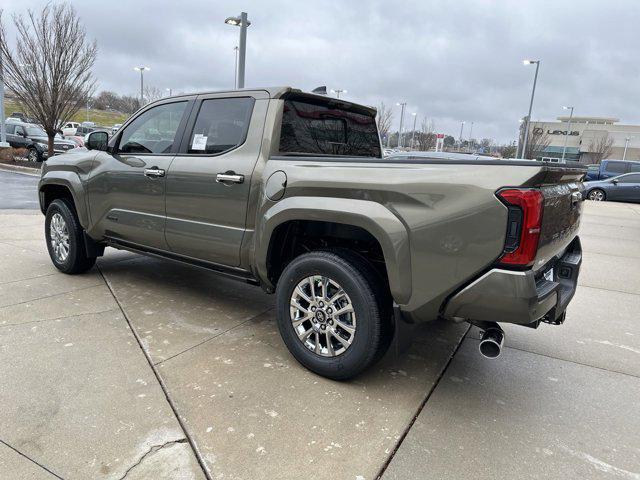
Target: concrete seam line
[421,407]
[244,322]
[30,459]
[53,295]
[64,317]
[26,279]
[172,405]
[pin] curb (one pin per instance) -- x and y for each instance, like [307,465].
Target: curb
[34,172]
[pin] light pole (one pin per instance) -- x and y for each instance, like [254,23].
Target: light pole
[533,92]
[141,69]
[564,149]
[401,105]
[626,144]
[243,23]
[170,90]
[338,91]
[3,129]
[235,69]
[413,134]
[461,128]
[471,136]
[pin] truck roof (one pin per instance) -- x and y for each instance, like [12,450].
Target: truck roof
[278,92]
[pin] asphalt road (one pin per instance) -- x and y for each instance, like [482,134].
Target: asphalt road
[18,191]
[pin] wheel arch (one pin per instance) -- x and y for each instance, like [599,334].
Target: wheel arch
[369,217]
[64,185]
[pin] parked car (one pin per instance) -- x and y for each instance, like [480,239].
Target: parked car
[289,191]
[611,168]
[115,128]
[35,151]
[69,129]
[625,188]
[39,137]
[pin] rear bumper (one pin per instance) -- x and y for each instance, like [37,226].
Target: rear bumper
[520,297]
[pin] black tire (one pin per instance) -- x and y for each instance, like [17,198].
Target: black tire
[370,301]
[76,260]
[597,195]
[33,155]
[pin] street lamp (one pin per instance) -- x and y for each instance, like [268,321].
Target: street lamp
[461,128]
[338,91]
[141,69]
[170,90]
[533,92]
[401,105]
[626,144]
[243,23]
[413,134]
[564,149]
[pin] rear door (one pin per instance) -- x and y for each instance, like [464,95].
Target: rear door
[127,187]
[209,180]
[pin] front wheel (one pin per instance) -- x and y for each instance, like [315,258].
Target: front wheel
[332,313]
[597,195]
[64,237]
[33,156]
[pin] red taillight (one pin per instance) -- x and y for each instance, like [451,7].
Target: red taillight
[530,203]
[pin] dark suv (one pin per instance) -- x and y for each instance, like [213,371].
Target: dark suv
[39,139]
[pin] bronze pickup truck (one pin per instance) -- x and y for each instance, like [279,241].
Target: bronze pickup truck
[289,191]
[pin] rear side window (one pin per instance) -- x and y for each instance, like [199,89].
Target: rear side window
[221,125]
[10,128]
[616,167]
[327,128]
[635,167]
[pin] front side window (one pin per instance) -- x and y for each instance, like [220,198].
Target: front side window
[36,132]
[221,125]
[321,127]
[154,131]
[631,178]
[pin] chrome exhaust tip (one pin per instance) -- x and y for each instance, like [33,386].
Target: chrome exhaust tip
[492,342]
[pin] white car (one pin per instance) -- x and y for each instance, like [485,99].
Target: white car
[115,128]
[69,129]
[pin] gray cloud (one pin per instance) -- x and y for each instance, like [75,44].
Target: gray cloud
[450,61]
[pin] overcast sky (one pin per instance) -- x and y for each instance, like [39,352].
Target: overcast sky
[450,61]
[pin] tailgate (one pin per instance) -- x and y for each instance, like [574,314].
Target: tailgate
[563,200]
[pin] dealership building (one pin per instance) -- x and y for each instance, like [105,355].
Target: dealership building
[586,138]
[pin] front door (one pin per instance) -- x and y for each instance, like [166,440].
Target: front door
[628,187]
[209,180]
[127,186]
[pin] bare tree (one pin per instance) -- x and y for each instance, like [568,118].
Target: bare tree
[537,141]
[426,138]
[49,71]
[151,94]
[384,119]
[600,147]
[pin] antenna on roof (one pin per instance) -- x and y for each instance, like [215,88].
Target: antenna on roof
[320,90]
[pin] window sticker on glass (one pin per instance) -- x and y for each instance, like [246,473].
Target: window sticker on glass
[199,142]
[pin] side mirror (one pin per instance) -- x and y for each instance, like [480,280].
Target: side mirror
[96,141]
[614,181]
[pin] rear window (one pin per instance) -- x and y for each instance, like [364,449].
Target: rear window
[320,127]
[616,167]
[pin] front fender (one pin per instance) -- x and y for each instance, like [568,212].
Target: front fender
[373,217]
[72,182]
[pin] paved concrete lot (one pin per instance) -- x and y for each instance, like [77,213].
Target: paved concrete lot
[81,399]
[18,191]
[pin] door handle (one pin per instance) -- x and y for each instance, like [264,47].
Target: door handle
[230,177]
[153,172]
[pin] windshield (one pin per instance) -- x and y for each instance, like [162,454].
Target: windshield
[35,132]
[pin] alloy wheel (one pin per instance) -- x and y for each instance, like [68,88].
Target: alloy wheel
[59,237]
[596,195]
[322,316]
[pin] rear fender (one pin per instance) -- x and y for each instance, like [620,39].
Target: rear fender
[373,217]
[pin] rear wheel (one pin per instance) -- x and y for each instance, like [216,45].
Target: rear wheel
[332,313]
[64,236]
[597,195]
